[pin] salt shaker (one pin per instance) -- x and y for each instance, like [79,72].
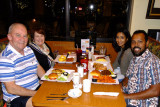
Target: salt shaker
[80,69]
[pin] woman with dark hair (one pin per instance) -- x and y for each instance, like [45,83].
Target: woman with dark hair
[122,43]
[41,49]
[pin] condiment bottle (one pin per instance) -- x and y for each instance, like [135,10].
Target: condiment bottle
[84,61]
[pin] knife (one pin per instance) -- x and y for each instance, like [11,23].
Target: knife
[67,55]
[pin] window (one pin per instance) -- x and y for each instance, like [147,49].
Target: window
[102,17]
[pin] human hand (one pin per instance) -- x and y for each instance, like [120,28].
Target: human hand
[40,81]
[125,95]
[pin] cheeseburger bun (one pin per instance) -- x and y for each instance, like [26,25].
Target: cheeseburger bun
[53,76]
[59,71]
[95,73]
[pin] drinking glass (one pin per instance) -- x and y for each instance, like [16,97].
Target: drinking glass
[79,54]
[86,85]
[76,80]
[102,51]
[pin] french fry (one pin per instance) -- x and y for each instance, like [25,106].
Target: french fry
[106,79]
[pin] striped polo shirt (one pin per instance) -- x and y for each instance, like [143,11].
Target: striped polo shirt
[22,69]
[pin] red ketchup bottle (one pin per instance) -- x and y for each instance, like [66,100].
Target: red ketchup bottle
[84,61]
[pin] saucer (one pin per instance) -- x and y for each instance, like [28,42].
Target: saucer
[74,93]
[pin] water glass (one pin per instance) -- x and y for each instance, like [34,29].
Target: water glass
[76,80]
[80,69]
[102,51]
[86,85]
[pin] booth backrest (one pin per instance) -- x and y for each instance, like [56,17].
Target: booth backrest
[3,43]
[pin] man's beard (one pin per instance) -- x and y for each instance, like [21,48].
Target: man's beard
[140,53]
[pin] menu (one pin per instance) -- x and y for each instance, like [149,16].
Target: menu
[84,44]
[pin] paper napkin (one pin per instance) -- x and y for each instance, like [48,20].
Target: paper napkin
[106,93]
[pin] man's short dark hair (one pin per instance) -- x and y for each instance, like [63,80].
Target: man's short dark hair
[141,31]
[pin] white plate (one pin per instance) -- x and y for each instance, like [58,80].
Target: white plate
[67,70]
[74,93]
[90,77]
[94,58]
[69,56]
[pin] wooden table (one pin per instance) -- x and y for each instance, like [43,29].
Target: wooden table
[86,100]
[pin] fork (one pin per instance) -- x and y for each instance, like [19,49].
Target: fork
[59,94]
[59,99]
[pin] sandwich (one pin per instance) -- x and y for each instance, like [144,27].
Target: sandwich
[53,76]
[99,66]
[95,73]
[58,71]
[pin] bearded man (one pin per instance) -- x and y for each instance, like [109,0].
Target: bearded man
[141,86]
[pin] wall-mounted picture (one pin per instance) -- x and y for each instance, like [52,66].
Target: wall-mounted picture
[154,33]
[153,11]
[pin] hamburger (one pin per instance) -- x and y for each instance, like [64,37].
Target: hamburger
[95,73]
[53,76]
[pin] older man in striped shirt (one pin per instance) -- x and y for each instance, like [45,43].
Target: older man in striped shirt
[19,68]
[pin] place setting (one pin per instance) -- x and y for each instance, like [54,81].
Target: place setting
[58,75]
[69,57]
